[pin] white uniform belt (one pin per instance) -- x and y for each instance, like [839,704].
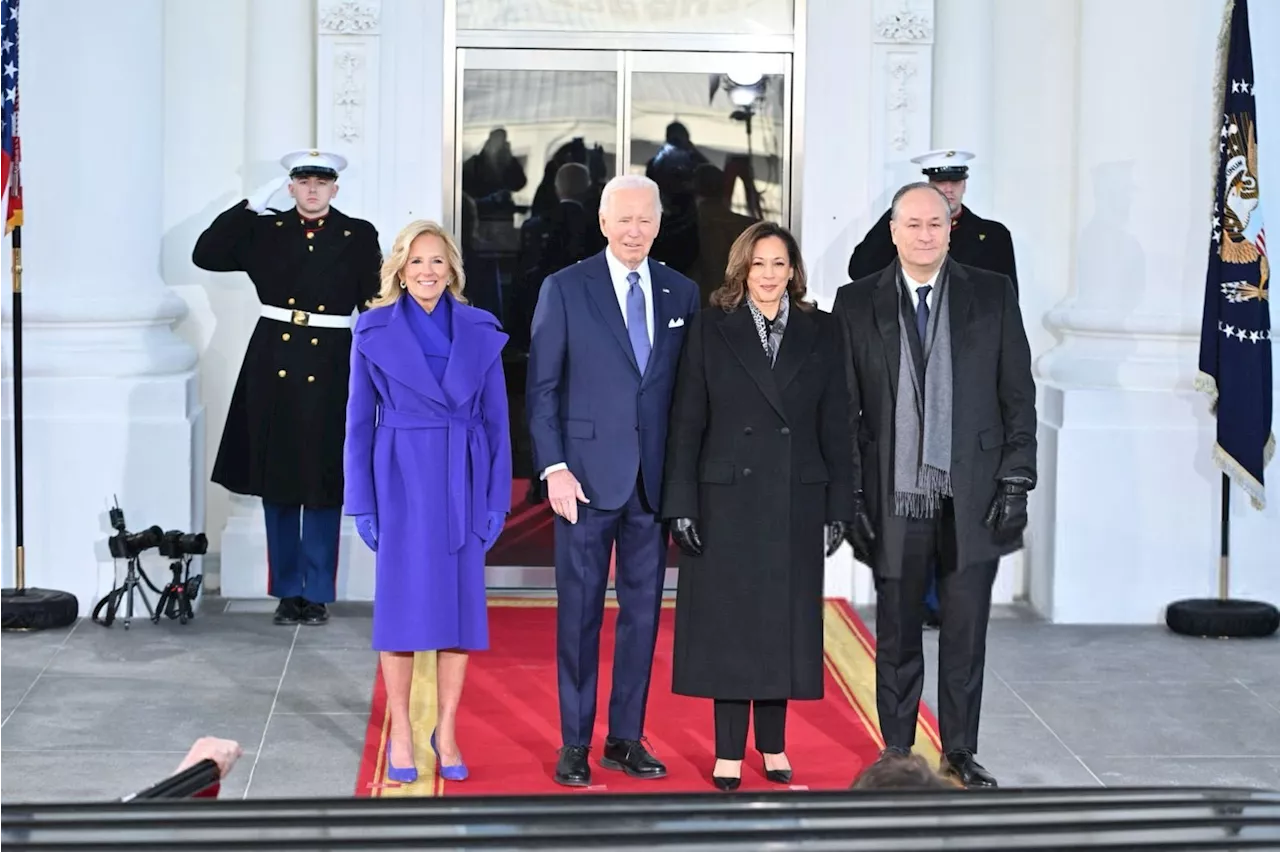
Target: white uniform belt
[305,318]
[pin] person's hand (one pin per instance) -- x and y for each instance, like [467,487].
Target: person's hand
[257,201]
[835,536]
[367,527]
[685,533]
[224,753]
[565,493]
[496,522]
[1008,513]
[860,534]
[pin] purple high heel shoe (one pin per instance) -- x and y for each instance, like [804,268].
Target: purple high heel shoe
[457,772]
[404,776]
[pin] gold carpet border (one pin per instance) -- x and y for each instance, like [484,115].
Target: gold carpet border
[847,656]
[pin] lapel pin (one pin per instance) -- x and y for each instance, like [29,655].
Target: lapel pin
[346,233]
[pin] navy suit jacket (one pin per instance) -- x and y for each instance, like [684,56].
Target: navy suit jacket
[588,405]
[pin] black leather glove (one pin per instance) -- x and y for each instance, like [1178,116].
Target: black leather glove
[685,532]
[860,534]
[1008,513]
[835,536]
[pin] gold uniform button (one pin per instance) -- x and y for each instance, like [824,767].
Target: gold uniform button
[284,336]
[311,235]
[311,378]
[315,341]
[290,302]
[281,374]
[311,248]
[320,308]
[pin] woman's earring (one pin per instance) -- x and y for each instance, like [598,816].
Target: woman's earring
[403,286]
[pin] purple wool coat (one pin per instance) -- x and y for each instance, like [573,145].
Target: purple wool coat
[431,460]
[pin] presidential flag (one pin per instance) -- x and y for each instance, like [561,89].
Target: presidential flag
[12,182]
[1235,333]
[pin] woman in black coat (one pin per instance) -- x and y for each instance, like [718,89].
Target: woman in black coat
[758,462]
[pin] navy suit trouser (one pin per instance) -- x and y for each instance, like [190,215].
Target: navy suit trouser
[582,577]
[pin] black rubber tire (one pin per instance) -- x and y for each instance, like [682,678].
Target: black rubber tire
[1235,619]
[38,609]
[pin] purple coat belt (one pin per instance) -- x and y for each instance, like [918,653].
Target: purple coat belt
[466,437]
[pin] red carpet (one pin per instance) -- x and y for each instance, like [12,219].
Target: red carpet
[529,535]
[508,728]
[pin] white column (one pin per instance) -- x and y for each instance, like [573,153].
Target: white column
[1129,503]
[963,89]
[110,392]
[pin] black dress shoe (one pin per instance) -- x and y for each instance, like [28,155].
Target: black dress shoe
[969,772]
[315,613]
[572,769]
[288,611]
[631,757]
[778,776]
[727,784]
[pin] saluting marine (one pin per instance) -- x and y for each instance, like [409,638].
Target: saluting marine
[312,267]
[982,243]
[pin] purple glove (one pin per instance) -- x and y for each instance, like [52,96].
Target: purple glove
[496,522]
[367,526]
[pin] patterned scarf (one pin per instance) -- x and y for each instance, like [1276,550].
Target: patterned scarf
[771,333]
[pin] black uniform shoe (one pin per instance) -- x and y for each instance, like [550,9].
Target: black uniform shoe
[289,611]
[315,613]
[631,757]
[969,772]
[572,769]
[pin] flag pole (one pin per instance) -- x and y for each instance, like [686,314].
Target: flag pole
[21,608]
[19,559]
[1224,552]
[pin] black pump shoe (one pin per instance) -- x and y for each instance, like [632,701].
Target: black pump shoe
[727,784]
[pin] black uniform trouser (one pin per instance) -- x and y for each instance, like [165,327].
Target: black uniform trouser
[731,727]
[965,598]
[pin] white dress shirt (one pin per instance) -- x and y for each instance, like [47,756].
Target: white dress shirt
[914,285]
[618,274]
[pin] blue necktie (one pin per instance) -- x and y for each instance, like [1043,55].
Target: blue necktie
[922,313]
[637,328]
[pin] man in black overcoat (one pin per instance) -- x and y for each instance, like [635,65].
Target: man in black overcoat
[982,243]
[944,424]
[312,267]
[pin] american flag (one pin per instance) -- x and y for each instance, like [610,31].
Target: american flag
[12,183]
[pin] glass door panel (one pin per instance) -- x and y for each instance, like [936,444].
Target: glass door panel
[538,135]
[712,129]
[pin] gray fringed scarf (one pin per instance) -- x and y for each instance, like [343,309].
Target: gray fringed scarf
[922,417]
[771,334]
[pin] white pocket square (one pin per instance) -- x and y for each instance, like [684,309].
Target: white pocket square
[676,323]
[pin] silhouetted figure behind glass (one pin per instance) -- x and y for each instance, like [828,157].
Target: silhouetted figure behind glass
[491,175]
[484,278]
[672,169]
[718,227]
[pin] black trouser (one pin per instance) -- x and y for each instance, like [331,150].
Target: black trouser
[965,598]
[731,727]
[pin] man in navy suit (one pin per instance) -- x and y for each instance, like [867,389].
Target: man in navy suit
[607,333]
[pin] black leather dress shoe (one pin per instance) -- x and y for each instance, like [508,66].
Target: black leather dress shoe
[572,769]
[969,772]
[631,757]
[288,611]
[315,614]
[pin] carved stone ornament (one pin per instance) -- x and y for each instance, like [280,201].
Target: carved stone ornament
[905,25]
[350,17]
[901,70]
[348,95]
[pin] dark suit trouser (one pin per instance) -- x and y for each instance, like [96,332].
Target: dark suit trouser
[731,727]
[582,576]
[965,597]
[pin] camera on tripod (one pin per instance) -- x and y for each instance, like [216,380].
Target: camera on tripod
[177,595]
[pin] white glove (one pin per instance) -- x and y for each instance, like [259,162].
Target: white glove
[260,196]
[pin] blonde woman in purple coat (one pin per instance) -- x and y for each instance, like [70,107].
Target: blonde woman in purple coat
[427,475]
